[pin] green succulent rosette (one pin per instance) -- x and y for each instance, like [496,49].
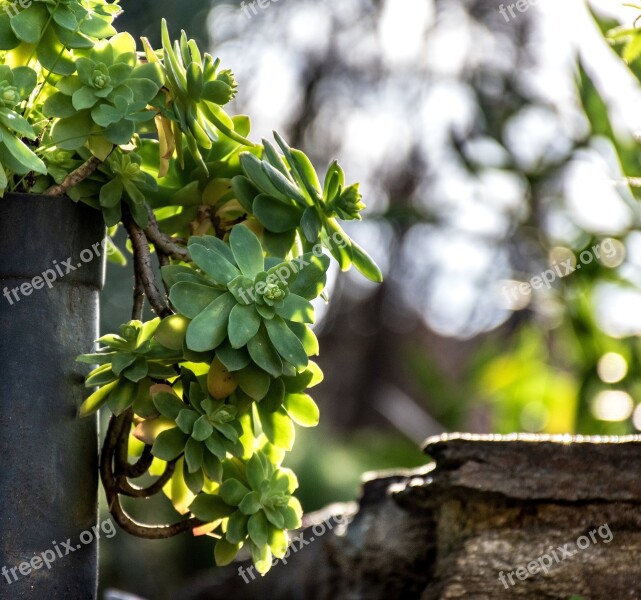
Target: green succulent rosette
[259,306]
[106,99]
[127,364]
[284,193]
[128,182]
[198,91]
[17,157]
[205,430]
[55,28]
[256,502]
[208,399]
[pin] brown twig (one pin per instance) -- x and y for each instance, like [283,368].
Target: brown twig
[115,429]
[123,469]
[121,451]
[164,243]
[139,299]
[127,489]
[74,178]
[142,266]
[158,532]
[106,460]
[163,261]
[141,466]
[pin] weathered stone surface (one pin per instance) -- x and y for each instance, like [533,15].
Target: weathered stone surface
[540,467]
[486,506]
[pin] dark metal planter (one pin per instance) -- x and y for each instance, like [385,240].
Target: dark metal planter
[49,458]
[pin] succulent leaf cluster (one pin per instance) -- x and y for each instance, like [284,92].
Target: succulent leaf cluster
[284,193]
[227,414]
[257,502]
[15,156]
[213,394]
[127,363]
[56,28]
[105,98]
[259,311]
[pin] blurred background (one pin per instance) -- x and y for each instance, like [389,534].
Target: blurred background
[491,145]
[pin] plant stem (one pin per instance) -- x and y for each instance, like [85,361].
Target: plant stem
[139,299]
[109,449]
[142,266]
[141,466]
[123,469]
[163,242]
[155,488]
[74,178]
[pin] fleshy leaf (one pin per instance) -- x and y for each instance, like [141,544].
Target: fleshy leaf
[97,400]
[190,298]
[170,444]
[225,552]
[264,354]
[244,323]
[209,328]
[302,409]
[247,251]
[286,342]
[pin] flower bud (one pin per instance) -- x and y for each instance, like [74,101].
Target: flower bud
[131,170]
[9,96]
[348,205]
[280,500]
[220,90]
[273,292]
[99,79]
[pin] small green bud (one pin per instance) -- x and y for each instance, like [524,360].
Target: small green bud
[280,500]
[58,156]
[348,205]
[131,170]
[129,332]
[10,96]
[273,292]
[222,89]
[226,414]
[227,77]
[99,79]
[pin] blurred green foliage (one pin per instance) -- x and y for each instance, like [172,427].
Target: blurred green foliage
[558,369]
[553,364]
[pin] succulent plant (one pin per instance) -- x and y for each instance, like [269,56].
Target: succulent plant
[127,363]
[284,193]
[260,496]
[60,163]
[55,29]
[206,431]
[104,100]
[128,181]
[347,203]
[198,92]
[15,87]
[208,398]
[246,304]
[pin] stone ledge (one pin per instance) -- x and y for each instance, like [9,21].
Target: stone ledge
[487,505]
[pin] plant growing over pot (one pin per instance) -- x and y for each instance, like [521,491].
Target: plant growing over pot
[205,397]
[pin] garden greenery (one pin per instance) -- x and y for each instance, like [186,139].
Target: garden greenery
[206,397]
